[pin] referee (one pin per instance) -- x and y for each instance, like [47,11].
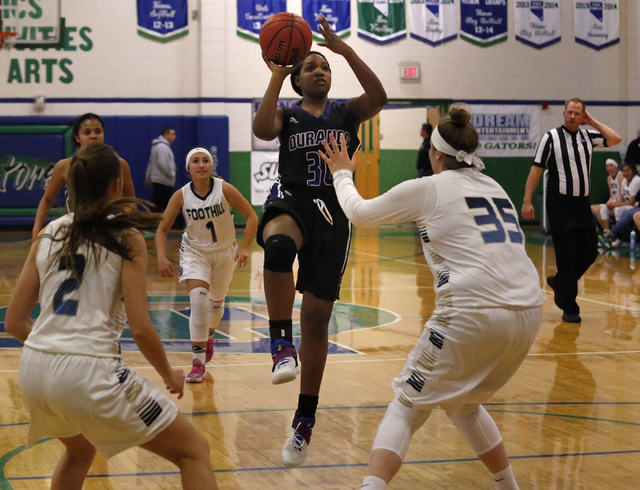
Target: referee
[566,151]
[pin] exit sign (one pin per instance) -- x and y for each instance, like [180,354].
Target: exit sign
[410,71]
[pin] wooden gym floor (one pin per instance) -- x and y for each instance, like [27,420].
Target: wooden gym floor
[570,417]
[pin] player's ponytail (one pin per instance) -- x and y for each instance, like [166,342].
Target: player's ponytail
[97,221]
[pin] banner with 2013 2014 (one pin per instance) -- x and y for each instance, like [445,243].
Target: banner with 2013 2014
[538,23]
[597,24]
[433,22]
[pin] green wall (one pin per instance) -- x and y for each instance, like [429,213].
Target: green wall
[399,165]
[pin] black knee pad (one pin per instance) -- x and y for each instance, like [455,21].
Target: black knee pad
[279,253]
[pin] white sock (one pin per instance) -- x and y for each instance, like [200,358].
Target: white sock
[373,483]
[505,480]
[199,353]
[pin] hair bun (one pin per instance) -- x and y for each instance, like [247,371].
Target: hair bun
[459,115]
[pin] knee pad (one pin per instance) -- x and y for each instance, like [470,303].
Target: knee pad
[279,253]
[397,428]
[479,429]
[217,311]
[199,318]
[604,211]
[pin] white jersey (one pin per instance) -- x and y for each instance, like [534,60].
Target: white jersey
[614,182]
[470,236]
[209,220]
[77,316]
[630,189]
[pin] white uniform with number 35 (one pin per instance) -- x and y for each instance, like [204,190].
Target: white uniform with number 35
[209,242]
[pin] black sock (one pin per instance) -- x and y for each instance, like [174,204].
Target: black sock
[307,405]
[281,329]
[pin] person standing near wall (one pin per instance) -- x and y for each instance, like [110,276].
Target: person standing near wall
[567,151]
[161,170]
[423,163]
[633,152]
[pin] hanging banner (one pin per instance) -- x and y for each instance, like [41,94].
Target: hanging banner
[597,24]
[337,13]
[433,21]
[163,20]
[506,130]
[381,21]
[252,14]
[264,172]
[483,22]
[537,23]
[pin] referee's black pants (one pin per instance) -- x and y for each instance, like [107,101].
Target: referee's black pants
[576,244]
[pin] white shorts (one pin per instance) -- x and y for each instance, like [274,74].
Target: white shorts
[464,356]
[605,212]
[214,268]
[112,406]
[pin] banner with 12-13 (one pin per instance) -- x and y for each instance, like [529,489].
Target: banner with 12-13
[537,23]
[483,22]
[433,21]
[337,13]
[252,14]
[381,21]
[164,20]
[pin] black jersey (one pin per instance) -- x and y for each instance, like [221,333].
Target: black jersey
[301,137]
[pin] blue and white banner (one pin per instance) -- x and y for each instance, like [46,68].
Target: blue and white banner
[433,21]
[252,14]
[597,24]
[483,22]
[337,13]
[537,23]
[506,130]
[163,20]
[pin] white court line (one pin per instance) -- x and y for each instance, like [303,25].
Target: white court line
[391,258]
[633,310]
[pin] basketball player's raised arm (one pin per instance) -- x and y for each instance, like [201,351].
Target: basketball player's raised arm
[44,207]
[134,289]
[237,200]
[267,122]
[25,296]
[170,213]
[375,97]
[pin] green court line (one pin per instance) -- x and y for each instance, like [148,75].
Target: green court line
[4,481]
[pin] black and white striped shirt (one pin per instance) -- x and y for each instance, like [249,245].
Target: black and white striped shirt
[568,155]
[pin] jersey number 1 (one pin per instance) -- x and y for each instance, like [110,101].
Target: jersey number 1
[212,229]
[497,235]
[68,307]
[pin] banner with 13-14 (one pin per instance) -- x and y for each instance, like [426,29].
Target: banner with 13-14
[337,13]
[252,14]
[538,23]
[597,24]
[433,21]
[381,21]
[483,22]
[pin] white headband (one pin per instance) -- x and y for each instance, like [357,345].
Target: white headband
[612,162]
[193,152]
[440,144]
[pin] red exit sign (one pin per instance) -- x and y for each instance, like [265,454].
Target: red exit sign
[410,71]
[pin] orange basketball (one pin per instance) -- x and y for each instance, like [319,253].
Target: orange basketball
[285,38]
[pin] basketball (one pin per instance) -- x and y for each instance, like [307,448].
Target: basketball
[285,38]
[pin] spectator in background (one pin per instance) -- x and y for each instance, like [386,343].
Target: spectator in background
[604,212]
[424,164]
[633,152]
[161,170]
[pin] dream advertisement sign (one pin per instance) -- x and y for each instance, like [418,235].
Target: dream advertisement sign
[252,14]
[506,130]
[597,24]
[433,21]
[163,20]
[483,22]
[337,13]
[537,23]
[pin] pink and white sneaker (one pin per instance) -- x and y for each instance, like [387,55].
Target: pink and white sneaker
[197,372]
[209,352]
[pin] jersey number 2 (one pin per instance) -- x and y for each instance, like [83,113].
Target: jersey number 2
[68,307]
[497,235]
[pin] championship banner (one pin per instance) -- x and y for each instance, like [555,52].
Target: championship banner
[337,13]
[252,14]
[597,24]
[163,20]
[433,21]
[264,172]
[483,22]
[506,130]
[538,23]
[381,21]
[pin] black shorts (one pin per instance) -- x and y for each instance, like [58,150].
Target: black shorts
[326,234]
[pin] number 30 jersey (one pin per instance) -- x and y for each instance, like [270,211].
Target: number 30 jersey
[470,236]
[208,218]
[77,316]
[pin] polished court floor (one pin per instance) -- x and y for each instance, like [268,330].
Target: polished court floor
[570,417]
